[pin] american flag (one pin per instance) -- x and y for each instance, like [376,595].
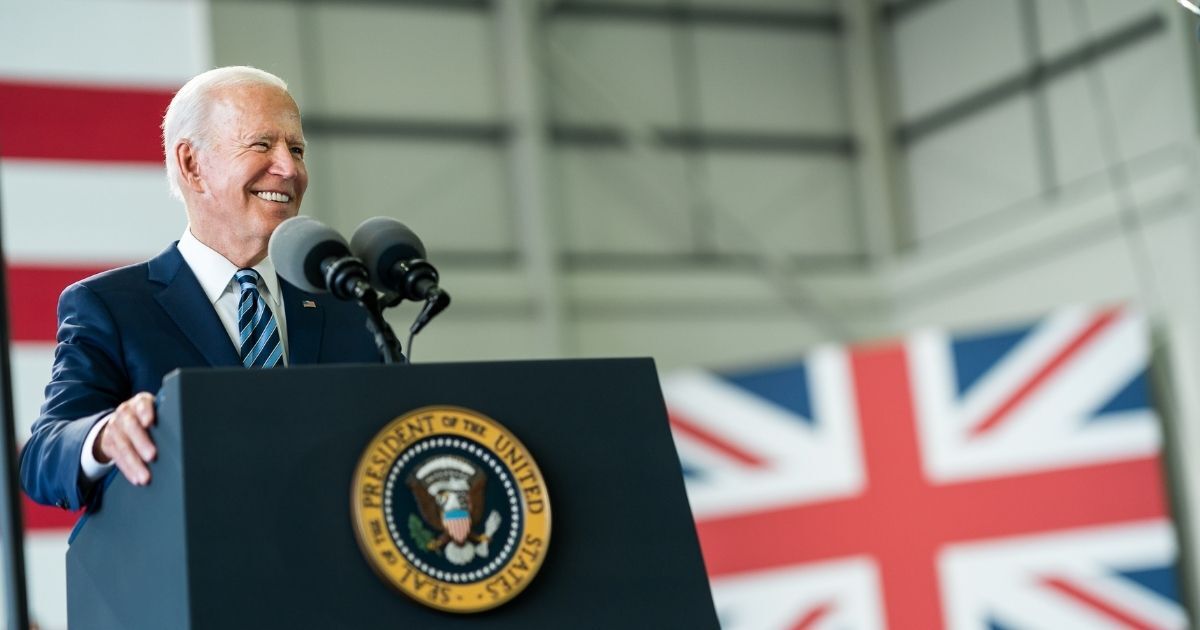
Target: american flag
[83,85]
[1007,479]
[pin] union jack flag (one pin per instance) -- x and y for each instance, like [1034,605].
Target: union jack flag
[1010,479]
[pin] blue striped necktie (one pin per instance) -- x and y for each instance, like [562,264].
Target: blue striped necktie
[257,329]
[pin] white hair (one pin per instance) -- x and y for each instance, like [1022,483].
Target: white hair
[187,116]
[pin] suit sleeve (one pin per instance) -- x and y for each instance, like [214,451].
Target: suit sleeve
[87,382]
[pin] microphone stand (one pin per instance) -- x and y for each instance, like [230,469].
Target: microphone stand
[385,337]
[346,279]
[418,278]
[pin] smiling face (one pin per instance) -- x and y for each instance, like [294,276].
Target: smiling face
[249,175]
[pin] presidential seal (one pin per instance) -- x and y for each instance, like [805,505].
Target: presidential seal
[450,509]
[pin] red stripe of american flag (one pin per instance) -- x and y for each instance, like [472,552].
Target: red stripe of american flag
[33,298]
[72,122]
[44,517]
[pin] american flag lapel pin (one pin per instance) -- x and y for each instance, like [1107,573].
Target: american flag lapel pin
[308,304]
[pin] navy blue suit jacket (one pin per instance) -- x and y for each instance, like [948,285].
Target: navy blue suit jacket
[122,331]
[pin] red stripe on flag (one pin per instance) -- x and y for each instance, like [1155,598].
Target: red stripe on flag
[1122,618]
[711,441]
[44,517]
[814,617]
[69,122]
[1019,396]
[33,298]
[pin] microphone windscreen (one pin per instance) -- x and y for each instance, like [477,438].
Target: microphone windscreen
[381,242]
[297,248]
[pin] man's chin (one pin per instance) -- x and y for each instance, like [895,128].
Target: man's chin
[280,213]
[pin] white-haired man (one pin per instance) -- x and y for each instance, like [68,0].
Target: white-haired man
[234,151]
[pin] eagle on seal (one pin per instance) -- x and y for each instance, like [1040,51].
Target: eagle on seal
[449,492]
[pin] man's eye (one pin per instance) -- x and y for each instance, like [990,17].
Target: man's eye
[298,151]
[262,143]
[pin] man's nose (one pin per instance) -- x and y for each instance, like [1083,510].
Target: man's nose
[284,163]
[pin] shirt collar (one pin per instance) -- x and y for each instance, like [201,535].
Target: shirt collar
[215,272]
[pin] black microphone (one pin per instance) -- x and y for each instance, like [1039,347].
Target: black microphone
[314,257]
[395,259]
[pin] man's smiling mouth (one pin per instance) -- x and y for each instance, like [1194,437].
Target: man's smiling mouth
[273,196]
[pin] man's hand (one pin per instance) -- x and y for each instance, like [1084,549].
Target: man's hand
[125,440]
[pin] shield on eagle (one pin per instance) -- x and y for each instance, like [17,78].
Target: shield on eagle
[449,491]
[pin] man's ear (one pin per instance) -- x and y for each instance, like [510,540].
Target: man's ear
[189,166]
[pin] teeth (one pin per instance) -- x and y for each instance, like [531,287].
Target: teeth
[274,196]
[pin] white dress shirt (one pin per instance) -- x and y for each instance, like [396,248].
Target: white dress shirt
[215,274]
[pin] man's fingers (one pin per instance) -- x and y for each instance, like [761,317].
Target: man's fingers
[143,406]
[125,441]
[142,443]
[120,449]
[134,470]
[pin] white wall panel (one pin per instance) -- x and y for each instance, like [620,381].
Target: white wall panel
[377,60]
[492,317]
[31,363]
[721,340]
[973,168]
[46,578]
[950,49]
[1097,271]
[611,71]
[611,205]
[691,316]
[280,49]
[783,203]
[1073,132]
[770,80]
[129,42]
[1062,27]
[475,338]
[798,5]
[453,195]
[809,5]
[45,558]
[64,211]
[1147,111]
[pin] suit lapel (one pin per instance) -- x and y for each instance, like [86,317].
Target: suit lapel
[184,301]
[305,324]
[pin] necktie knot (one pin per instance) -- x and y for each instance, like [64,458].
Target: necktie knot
[247,279]
[257,329]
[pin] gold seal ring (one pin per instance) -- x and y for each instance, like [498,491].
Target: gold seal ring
[451,509]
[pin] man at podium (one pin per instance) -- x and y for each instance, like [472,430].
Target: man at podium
[234,150]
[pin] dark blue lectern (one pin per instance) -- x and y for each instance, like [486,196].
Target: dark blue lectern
[247,522]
